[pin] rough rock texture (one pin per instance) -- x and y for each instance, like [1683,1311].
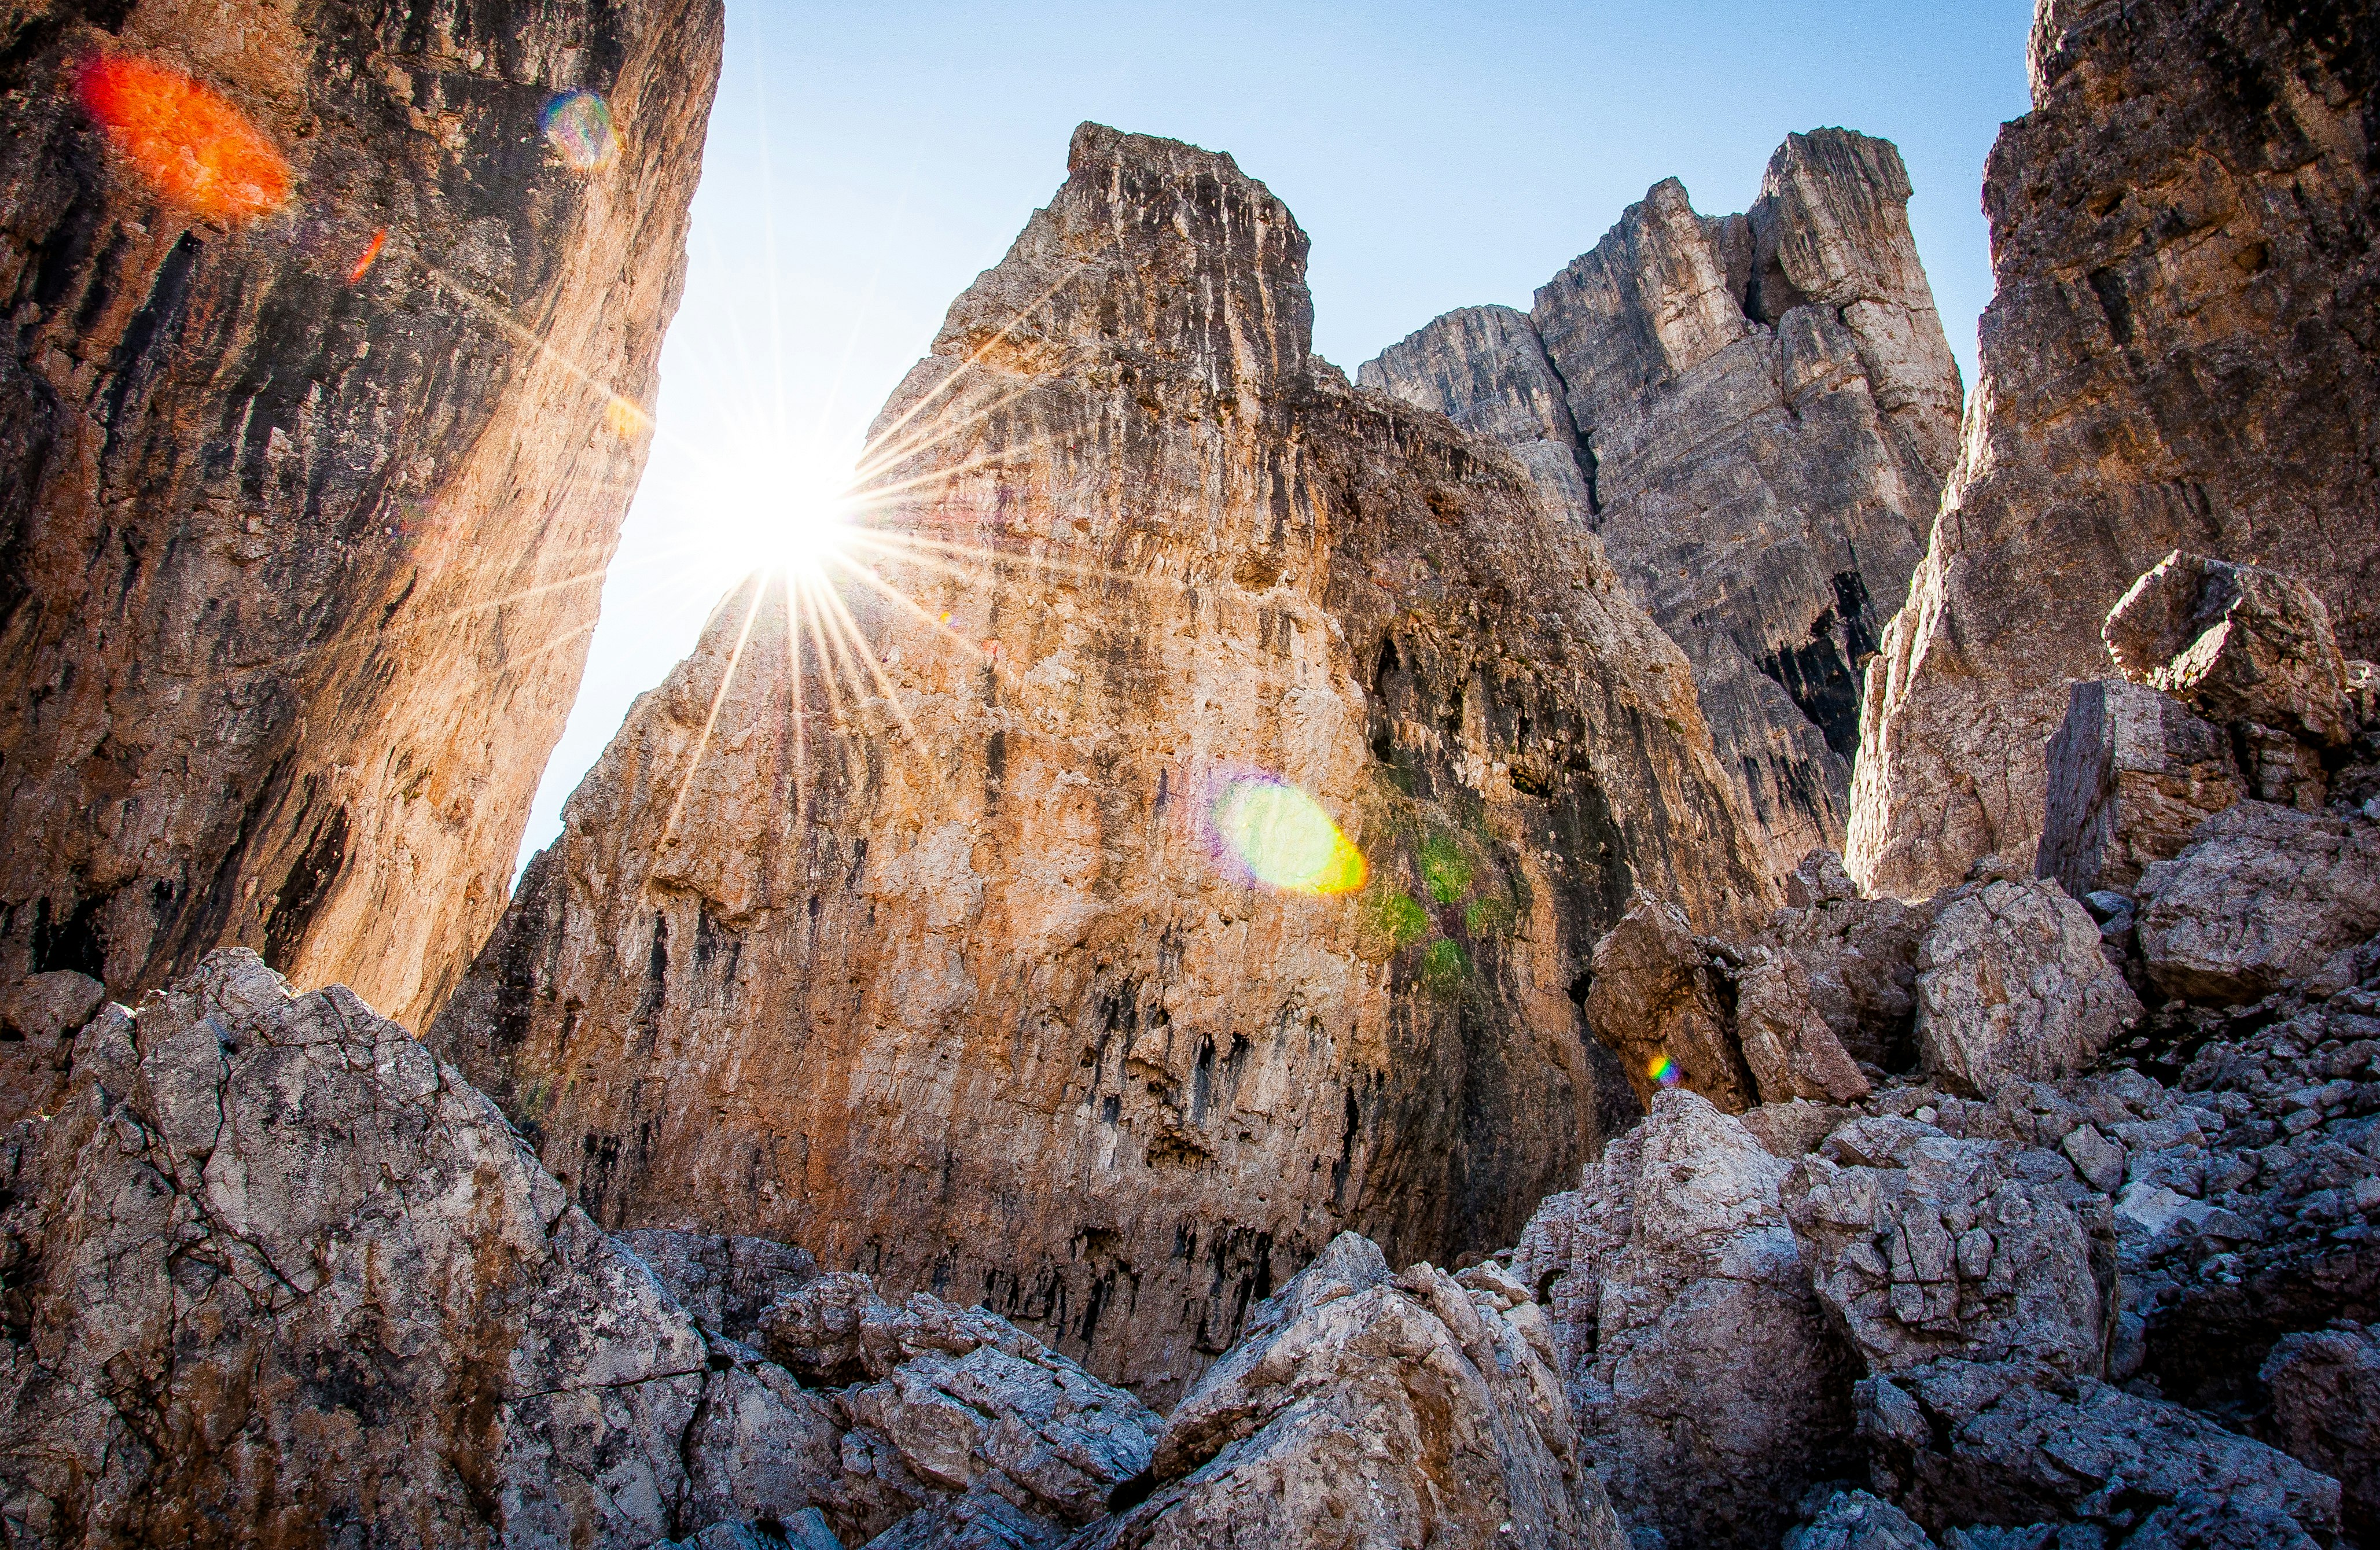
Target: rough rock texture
[2179,354]
[1364,1410]
[297,565]
[1704,1378]
[2326,1388]
[1861,955]
[1793,1052]
[2011,985]
[1755,413]
[1655,1000]
[2237,643]
[850,977]
[2131,773]
[726,1283]
[1963,1442]
[2261,895]
[1925,1246]
[1855,1520]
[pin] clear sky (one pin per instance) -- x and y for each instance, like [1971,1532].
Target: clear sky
[866,162]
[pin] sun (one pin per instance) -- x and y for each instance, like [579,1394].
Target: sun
[780,507]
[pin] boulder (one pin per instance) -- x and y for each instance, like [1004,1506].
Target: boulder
[1855,1520]
[1705,1379]
[1656,1002]
[726,1283]
[1861,955]
[1791,1051]
[1363,1408]
[2325,1414]
[1927,1246]
[2262,894]
[2132,773]
[2011,985]
[2239,643]
[1960,1442]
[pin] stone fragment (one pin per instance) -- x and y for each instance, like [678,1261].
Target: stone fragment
[1755,414]
[1791,1051]
[1702,1374]
[2325,1414]
[1861,955]
[2237,643]
[47,1007]
[1855,1520]
[1654,1001]
[1364,1409]
[2262,894]
[2132,773]
[725,1283]
[2011,986]
[2149,215]
[306,532]
[873,966]
[1959,1442]
[1926,1246]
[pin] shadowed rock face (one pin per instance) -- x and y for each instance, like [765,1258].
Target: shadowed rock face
[2179,354]
[1756,414]
[951,976]
[296,563]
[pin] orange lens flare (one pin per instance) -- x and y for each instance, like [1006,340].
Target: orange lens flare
[363,265]
[190,144]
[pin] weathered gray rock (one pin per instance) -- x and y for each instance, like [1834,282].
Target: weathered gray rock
[2237,642]
[1703,1375]
[2131,774]
[725,1283]
[1755,413]
[1855,1520]
[1656,1002]
[1364,1409]
[1926,1246]
[280,1267]
[306,503]
[1791,1051]
[1861,955]
[1959,1442]
[2011,985]
[866,952]
[2261,894]
[2189,202]
[2325,1414]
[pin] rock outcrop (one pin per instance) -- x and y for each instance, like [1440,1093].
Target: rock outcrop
[2013,986]
[990,966]
[308,479]
[1755,413]
[2178,356]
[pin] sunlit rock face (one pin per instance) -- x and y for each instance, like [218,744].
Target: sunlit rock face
[301,533]
[1221,873]
[1755,413]
[2179,354]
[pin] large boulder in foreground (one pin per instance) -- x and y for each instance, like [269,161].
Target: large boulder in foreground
[1705,1379]
[1370,1410]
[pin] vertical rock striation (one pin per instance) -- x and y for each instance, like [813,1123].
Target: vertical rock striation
[303,517]
[2181,355]
[946,968]
[1755,413]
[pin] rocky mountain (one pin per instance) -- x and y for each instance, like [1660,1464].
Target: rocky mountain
[328,336]
[2179,355]
[841,953]
[1755,413]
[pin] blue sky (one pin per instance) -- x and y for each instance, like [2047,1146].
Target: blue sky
[866,162]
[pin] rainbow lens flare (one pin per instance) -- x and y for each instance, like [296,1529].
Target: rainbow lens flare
[578,125]
[1664,1071]
[1285,840]
[188,141]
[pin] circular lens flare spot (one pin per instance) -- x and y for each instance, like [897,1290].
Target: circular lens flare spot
[578,125]
[1285,840]
[1664,1071]
[186,140]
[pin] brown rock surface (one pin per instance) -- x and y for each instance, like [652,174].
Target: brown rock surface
[2235,642]
[2131,773]
[296,562]
[2261,894]
[978,1005]
[1861,955]
[1755,413]
[2011,985]
[2179,354]
[1657,1003]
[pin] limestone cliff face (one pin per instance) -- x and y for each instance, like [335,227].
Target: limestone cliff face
[2180,354]
[954,973]
[304,506]
[1756,414]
